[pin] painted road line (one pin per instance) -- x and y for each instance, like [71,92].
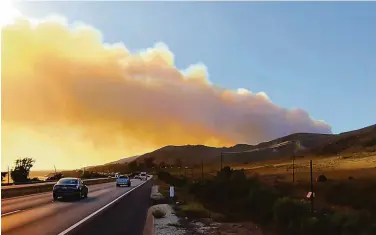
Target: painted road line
[27,195]
[9,213]
[66,231]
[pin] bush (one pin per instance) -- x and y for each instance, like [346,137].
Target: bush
[194,210]
[260,203]
[309,223]
[159,213]
[172,180]
[232,193]
[288,213]
[321,178]
[358,194]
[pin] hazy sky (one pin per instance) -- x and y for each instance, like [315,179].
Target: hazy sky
[77,106]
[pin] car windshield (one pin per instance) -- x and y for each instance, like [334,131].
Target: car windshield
[68,181]
[123,177]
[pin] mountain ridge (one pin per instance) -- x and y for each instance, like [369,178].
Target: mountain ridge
[363,139]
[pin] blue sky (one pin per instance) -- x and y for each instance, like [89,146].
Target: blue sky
[318,56]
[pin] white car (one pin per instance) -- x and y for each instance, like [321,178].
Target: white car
[143,176]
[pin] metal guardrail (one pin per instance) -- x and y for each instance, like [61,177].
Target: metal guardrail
[27,189]
[42,184]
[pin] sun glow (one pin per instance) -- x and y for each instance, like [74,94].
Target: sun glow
[8,13]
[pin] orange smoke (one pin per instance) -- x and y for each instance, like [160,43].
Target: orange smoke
[67,97]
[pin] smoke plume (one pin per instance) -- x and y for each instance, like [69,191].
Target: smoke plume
[68,95]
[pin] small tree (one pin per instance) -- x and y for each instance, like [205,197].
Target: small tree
[21,171]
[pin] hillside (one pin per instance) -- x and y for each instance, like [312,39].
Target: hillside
[349,142]
[123,160]
[311,144]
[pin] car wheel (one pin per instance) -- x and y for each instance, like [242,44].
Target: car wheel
[117,185]
[129,185]
[79,196]
[85,196]
[55,197]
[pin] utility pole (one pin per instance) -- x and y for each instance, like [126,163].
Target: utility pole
[312,194]
[8,174]
[296,146]
[55,169]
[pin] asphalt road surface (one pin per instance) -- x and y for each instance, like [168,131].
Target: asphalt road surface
[107,210]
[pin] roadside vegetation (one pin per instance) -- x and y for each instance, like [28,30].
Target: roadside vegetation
[342,207]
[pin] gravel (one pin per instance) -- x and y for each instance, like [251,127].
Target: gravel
[169,225]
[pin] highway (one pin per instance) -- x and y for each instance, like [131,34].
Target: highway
[39,184]
[107,210]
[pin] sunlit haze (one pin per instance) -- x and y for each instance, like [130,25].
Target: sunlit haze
[7,13]
[71,99]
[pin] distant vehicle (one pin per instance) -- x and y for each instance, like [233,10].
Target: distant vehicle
[70,187]
[143,176]
[133,175]
[117,175]
[54,176]
[123,180]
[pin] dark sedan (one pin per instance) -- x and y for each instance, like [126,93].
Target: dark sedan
[70,187]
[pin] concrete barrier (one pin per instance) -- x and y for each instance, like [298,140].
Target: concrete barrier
[149,223]
[21,190]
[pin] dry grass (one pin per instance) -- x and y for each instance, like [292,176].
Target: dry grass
[358,165]
[338,167]
[194,210]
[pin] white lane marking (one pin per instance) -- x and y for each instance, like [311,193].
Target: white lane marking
[12,212]
[99,210]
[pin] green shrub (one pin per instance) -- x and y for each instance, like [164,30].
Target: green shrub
[172,180]
[260,204]
[309,223]
[288,213]
[194,210]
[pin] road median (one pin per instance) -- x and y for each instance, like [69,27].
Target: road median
[22,190]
